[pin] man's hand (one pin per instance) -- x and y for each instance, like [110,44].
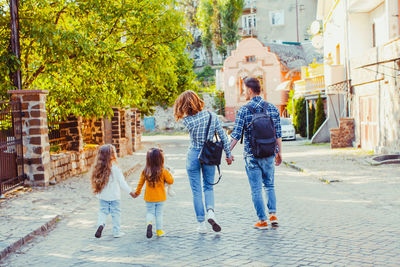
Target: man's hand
[278,159]
[230,160]
[134,195]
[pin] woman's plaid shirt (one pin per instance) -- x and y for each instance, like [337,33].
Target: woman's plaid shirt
[244,116]
[197,125]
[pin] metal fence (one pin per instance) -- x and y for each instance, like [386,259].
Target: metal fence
[56,141]
[11,146]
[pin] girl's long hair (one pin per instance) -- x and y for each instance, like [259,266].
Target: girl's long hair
[154,166]
[102,169]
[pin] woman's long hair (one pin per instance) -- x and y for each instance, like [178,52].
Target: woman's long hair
[187,103]
[154,166]
[102,169]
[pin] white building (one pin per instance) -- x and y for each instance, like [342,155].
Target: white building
[362,52]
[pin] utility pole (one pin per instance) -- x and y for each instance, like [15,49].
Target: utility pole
[14,42]
[297,20]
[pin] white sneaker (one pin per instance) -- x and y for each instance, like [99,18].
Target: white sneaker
[213,221]
[120,234]
[202,228]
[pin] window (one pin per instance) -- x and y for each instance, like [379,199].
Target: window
[250,59]
[277,17]
[249,21]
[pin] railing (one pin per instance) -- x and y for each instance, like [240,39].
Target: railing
[56,141]
[246,32]
[310,86]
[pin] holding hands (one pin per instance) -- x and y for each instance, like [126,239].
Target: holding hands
[230,160]
[134,195]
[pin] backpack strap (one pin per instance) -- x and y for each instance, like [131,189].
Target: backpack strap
[252,111]
[208,125]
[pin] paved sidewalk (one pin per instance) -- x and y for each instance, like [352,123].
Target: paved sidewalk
[28,212]
[346,168]
[320,225]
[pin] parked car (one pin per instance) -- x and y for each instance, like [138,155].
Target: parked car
[226,124]
[288,131]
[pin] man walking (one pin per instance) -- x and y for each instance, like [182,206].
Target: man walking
[261,154]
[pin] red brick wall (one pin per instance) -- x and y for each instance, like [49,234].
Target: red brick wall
[344,135]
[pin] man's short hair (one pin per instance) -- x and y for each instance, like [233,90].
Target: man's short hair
[253,84]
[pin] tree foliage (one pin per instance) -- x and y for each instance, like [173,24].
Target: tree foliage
[92,55]
[219,24]
[320,116]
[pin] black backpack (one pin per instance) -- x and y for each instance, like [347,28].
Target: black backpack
[262,138]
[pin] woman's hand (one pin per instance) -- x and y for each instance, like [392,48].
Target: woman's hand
[230,160]
[134,195]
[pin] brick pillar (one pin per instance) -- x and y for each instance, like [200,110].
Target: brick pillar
[344,135]
[35,135]
[116,130]
[133,128]
[138,134]
[128,129]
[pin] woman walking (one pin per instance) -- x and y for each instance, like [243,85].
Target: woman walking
[189,108]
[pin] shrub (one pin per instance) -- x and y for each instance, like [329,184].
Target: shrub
[311,119]
[319,114]
[300,118]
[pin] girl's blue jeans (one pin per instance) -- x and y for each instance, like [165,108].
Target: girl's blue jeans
[196,174]
[155,210]
[107,207]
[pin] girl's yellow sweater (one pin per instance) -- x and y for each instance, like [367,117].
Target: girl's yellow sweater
[156,193]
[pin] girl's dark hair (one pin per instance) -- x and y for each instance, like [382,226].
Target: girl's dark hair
[154,166]
[253,84]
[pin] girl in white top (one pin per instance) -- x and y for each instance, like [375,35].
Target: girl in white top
[107,178]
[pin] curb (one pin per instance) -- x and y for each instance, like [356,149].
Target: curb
[297,168]
[46,227]
[41,230]
[293,166]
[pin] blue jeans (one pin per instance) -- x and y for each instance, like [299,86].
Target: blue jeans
[195,171]
[261,173]
[107,207]
[155,210]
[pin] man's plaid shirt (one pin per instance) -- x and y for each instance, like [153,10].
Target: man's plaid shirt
[244,117]
[197,125]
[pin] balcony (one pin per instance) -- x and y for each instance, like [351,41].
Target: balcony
[334,74]
[248,32]
[310,87]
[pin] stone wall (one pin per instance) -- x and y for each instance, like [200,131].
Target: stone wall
[64,165]
[42,168]
[344,135]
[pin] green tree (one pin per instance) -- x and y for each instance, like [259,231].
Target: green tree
[291,103]
[320,116]
[230,14]
[300,119]
[92,55]
[311,119]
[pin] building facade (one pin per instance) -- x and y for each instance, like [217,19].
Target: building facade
[362,52]
[273,21]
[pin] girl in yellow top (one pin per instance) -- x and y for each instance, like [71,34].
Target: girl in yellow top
[155,176]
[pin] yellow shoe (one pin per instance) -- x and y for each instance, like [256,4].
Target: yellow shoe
[160,233]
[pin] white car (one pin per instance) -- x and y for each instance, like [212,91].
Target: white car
[288,131]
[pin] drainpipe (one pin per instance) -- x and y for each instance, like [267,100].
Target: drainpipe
[297,20]
[347,61]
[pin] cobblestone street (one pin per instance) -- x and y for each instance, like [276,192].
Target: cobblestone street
[320,224]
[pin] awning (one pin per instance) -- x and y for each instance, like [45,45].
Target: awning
[285,86]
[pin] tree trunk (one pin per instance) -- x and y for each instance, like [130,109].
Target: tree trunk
[15,75]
